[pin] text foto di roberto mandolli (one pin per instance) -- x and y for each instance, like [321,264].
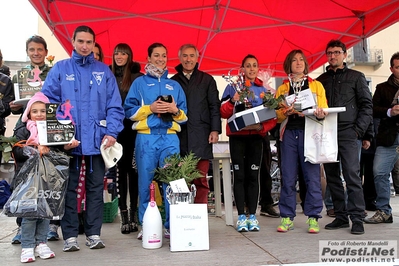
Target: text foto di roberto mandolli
[357,250]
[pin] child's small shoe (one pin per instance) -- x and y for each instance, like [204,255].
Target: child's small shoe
[27,255]
[44,252]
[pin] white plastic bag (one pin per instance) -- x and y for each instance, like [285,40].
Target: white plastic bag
[321,144]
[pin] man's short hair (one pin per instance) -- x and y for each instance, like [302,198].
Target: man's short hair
[188,45]
[336,43]
[36,39]
[395,56]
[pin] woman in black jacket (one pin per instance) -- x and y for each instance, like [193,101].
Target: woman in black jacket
[126,71]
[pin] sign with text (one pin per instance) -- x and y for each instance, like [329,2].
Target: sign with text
[28,83]
[189,227]
[56,130]
[360,251]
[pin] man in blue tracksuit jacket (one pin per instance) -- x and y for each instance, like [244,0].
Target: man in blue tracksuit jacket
[97,114]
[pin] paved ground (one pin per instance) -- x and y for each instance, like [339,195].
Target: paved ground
[227,247]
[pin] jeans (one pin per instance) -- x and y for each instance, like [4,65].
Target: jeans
[384,161]
[33,232]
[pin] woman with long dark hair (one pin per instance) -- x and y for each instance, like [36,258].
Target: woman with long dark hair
[126,71]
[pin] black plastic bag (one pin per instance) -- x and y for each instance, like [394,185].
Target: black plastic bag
[41,194]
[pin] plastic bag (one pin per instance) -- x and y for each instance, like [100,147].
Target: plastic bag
[41,194]
[321,144]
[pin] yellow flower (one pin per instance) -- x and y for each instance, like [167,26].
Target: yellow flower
[50,58]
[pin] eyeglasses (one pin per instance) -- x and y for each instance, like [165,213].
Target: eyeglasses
[336,53]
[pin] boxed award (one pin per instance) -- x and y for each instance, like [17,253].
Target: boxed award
[56,130]
[189,227]
[28,83]
[249,117]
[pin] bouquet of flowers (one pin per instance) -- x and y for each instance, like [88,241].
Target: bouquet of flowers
[268,97]
[177,167]
[240,85]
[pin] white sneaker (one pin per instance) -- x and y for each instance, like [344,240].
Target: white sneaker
[71,244]
[44,252]
[140,235]
[94,242]
[27,255]
[167,233]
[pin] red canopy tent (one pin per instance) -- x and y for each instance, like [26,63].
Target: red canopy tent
[223,30]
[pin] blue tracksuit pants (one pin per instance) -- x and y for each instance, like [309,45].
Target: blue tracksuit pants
[151,151]
[292,154]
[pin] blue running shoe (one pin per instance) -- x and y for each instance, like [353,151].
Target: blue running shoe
[17,238]
[242,223]
[253,224]
[52,234]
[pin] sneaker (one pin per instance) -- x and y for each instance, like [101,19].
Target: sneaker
[331,213]
[44,252]
[253,224]
[140,235]
[313,226]
[94,242]
[286,225]
[52,234]
[27,255]
[17,238]
[357,228]
[269,211]
[337,224]
[166,233]
[379,217]
[242,223]
[71,244]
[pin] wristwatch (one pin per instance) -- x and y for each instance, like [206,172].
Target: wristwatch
[177,113]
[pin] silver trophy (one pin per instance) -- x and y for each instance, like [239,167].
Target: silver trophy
[297,83]
[179,198]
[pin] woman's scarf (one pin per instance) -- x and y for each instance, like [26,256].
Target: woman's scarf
[154,71]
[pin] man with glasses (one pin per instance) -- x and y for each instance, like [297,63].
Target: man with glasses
[346,88]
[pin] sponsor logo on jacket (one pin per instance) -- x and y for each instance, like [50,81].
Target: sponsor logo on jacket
[98,76]
[70,77]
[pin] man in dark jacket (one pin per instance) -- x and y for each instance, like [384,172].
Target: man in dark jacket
[6,96]
[3,68]
[204,124]
[386,108]
[347,88]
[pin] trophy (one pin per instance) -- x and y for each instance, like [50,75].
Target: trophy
[296,83]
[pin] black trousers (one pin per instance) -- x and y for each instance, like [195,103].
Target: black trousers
[246,156]
[127,177]
[348,155]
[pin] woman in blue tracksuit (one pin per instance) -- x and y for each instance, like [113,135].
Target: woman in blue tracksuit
[156,121]
[97,114]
